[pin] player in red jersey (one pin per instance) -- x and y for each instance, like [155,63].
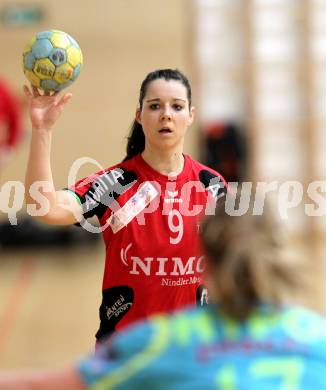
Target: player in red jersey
[149,206]
[10,123]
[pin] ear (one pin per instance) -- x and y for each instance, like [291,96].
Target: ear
[191,115]
[138,115]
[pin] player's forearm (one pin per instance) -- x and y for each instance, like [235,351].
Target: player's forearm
[39,166]
[67,379]
[57,207]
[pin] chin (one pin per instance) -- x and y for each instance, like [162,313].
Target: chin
[165,145]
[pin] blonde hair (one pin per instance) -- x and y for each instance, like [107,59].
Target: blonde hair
[244,256]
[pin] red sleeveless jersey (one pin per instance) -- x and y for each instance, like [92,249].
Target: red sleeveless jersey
[150,225]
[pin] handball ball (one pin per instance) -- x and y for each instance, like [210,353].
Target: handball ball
[52,60]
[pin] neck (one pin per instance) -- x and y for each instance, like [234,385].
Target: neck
[165,162]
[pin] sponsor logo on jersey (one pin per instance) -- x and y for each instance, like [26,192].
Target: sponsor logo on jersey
[102,188]
[124,254]
[105,189]
[180,281]
[136,204]
[116,302]
[118,307]
[157,266]
[161,266]
[172,197]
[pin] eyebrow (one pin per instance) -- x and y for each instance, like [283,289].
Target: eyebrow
[158,99]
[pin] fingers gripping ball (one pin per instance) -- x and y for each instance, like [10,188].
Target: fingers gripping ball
[52,60]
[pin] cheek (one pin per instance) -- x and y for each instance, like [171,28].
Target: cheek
[148,124]
[183,121]
[150,117]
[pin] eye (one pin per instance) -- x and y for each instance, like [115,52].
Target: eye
[154,106]
[177,107]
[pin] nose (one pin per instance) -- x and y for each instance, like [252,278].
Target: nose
[166,114]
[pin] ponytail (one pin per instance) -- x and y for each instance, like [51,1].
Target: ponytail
[136,141]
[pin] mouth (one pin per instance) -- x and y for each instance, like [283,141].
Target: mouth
[165,130]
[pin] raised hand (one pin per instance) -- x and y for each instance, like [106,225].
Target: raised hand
[45,109]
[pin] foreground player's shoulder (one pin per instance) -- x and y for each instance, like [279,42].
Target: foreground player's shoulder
[295,316]
[122,358]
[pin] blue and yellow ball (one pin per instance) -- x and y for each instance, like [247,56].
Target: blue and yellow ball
[52,60]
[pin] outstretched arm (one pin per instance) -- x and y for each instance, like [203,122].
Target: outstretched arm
[44,112]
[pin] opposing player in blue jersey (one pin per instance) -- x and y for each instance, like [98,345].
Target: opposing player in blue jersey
[250,339]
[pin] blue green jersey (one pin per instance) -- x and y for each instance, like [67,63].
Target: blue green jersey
[204,349]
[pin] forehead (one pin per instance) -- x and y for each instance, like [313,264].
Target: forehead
[164,89]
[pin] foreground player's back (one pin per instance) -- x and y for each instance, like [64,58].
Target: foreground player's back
[202,349]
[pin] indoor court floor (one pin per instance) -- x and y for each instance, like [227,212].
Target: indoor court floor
[49,305]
